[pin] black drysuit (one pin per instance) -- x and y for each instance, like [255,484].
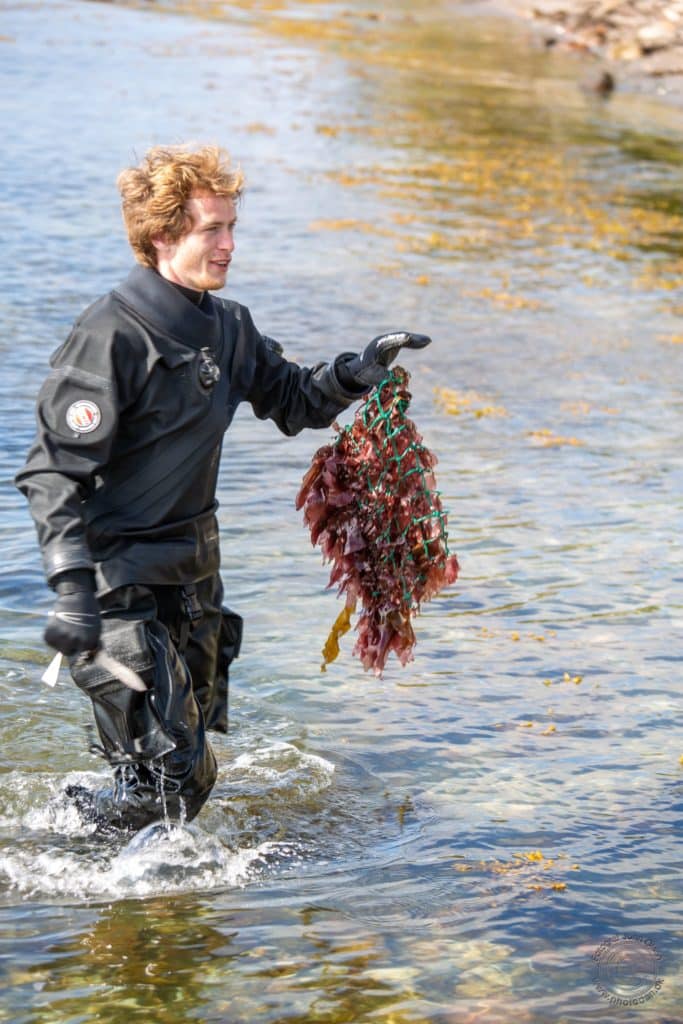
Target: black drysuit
[122,479]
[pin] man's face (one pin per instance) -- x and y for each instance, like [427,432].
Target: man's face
[200,258]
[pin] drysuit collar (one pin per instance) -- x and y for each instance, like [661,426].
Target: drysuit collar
[164,305]
[195,297]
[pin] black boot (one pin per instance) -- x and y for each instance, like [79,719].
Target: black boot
[133,801]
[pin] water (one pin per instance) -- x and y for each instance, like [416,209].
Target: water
[457,840]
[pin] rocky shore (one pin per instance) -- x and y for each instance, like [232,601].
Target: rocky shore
[636,43]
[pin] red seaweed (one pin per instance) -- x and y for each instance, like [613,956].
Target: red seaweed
[371,504]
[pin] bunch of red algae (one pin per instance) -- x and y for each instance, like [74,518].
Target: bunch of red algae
[371,504]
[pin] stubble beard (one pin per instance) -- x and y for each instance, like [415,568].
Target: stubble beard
[208,282]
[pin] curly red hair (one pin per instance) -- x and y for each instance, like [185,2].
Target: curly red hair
[154,193]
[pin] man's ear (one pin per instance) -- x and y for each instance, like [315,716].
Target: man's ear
[162,244]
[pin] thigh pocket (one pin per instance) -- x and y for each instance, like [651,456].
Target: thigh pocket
[127,721]
[232,625]
[229,644]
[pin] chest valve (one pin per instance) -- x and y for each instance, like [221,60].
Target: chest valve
[209,372]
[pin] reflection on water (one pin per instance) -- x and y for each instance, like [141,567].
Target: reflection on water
[451,842]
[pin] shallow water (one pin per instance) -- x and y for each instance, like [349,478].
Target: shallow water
[457,840]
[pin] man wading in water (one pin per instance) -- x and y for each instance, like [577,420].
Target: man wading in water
[121,479]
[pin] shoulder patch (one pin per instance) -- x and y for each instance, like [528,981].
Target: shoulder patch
[83,416]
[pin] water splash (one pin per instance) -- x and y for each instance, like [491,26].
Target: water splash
[53,852]
[281,770]
[160,858]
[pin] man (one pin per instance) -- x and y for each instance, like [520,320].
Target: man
[121,479]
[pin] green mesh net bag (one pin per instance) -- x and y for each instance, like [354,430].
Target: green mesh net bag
[371,504]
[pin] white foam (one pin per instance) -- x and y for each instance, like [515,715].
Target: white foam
[36,802]
[159,859]
[279,768]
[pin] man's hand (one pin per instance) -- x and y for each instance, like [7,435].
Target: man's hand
[369,368]
[74,623]
[383,349]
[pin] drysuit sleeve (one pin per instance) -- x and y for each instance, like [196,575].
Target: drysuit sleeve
[77,416]
[292,396]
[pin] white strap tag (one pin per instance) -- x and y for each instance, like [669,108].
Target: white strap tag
[49,676]
[124,674]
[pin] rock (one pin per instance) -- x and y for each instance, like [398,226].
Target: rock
[624,49]
[555,10]
[552,34]
[656,36]
[663,62]
[600,82]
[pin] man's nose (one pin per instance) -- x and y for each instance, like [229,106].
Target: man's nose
[227,240]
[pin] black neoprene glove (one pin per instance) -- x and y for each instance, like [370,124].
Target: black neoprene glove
[74,623]
[370,367]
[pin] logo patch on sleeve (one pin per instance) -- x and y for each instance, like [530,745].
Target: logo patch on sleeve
[83,416]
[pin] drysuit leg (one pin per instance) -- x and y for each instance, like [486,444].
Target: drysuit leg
[213,643]
[156,741]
